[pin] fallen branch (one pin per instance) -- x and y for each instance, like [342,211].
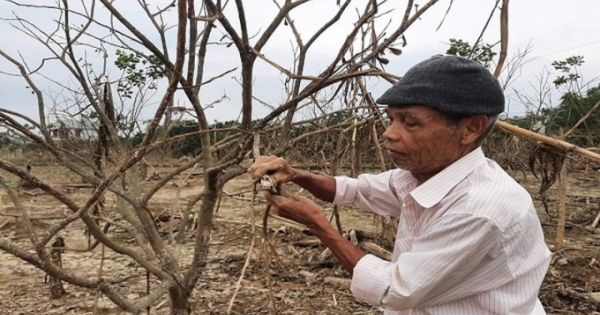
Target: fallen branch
[596,221]
[341,283]
[14,215]
[307,243]
[78,185]
[4,222]
[588,297]
[376,250]
[567,225]
[560,144]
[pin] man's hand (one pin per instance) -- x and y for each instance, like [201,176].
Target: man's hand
[296,208]
[280,169]
[304,211]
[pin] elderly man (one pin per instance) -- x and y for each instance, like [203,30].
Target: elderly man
[469,239]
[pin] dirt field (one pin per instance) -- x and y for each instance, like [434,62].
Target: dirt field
[301,281]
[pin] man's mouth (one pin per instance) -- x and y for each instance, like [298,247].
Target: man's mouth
[394,152]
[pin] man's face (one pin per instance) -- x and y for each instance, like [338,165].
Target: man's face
[419,139]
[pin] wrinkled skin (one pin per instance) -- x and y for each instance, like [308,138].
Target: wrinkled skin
[282,170]
[295,208]
[420,140]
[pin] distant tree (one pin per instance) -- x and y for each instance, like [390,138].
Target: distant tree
[152,69]
[192,146]
[481,52]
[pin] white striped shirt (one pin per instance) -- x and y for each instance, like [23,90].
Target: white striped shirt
[469,242]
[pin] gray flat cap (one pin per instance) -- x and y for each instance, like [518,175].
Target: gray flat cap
[451,84]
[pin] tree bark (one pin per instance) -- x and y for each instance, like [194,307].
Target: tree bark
[57,290]
[179,301]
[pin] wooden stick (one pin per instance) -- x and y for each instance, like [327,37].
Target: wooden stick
[353,154]
[335,165]
[238,285]
[596,221]
[376,250]
[56,217]
[78,185]
[503,37]
[288,222]
[560,144]
[378,148]
[506,127]
[562,206]
[98,292]
[4,221]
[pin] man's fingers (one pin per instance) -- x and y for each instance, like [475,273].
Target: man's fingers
[276,200]
[278,177]
[299,198]
[259,169]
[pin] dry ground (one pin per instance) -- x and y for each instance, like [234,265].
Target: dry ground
[299,281]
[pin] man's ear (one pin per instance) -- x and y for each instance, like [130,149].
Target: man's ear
[472,128]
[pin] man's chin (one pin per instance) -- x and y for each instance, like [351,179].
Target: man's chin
[402,166]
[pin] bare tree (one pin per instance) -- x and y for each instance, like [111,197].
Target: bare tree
[100,27]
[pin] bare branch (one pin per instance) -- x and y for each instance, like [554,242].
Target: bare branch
[177,72]
[87,219]
[503,37]
[24,213]
[36,90]
[581,120]
[213,10]
[287,7]
[242,18]
[484,28]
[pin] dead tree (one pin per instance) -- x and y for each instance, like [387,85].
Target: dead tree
[200,27]
[102,153]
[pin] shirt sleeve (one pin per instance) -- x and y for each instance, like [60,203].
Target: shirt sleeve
[432,270]
[370,192]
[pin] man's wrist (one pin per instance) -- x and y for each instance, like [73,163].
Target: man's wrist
[320,226]
[298,175]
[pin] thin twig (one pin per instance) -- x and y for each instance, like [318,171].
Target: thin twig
[238,285]
[98,292]
[582,120]
[484,29]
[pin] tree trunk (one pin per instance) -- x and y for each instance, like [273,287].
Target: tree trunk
[182,308]
[56,288]
[180,304]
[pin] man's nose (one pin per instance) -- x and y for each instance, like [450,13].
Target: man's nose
[392,134]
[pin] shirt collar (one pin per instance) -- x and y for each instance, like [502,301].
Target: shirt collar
[434,189]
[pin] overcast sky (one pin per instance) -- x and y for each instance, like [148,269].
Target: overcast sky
[555,29]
